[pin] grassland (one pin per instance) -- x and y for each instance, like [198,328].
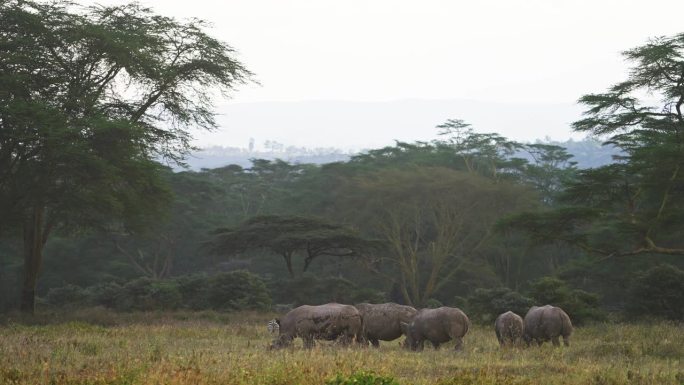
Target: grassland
[98,347]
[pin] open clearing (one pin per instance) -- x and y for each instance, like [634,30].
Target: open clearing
[99,347]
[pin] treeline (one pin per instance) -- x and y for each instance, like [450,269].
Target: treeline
[412,223]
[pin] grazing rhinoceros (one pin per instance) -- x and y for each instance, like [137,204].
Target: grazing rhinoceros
[381,322]
[331,321]
[547,323]
[509,328]
[437,326]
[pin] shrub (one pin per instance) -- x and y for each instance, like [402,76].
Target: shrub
[104,294]
[484,305]
[195,291]
[433,303]
[658,292]
[312,290]
[148,294]
[362,378]
[580,305]
[69,295]
[237,290]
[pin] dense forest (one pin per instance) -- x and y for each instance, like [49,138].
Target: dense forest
[416,223]
[474,220]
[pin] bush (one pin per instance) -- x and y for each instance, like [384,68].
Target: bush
[312,290]
[658,292]
[484,305]
[433,303]
[195,291]
[148,294]
[104,294]
[362,378]
[580,305]
[69,295]
[237,290]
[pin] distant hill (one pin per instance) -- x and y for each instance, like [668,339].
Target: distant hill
[588,153]
[216,156]
[365,125]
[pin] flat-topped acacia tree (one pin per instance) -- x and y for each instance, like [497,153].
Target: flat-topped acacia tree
[90,98]
[287,235]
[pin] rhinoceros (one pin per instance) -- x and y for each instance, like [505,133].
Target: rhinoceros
[547,323]
[332,321]
[509,328]
[437,326]
[381,322]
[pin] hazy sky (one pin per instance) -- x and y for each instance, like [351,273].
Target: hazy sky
[550,51]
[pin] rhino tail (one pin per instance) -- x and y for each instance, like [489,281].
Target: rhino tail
[361,332]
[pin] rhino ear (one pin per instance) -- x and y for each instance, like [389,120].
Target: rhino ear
[277,320]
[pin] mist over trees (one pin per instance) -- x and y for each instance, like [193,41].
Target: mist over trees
[91,218]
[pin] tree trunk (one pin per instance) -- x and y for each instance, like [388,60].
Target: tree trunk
[35,235]
[288,261]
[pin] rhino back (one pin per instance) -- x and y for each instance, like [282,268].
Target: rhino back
[509,325]
[441,324]
[382,321]
[545,322]
[322,320]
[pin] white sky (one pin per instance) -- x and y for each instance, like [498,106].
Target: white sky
[538,51]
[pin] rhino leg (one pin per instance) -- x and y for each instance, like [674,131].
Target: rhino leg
[555,341]
[500,338]
[566,340]
[308,342]
[345,340]
[435,345]
[459,344]
[375,342]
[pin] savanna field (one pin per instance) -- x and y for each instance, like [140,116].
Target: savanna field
[100,347]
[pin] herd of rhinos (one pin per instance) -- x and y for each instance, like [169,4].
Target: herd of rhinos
[388,321]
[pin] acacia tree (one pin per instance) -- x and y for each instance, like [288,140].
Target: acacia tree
[89,99]
[635,205]
[290,235]
[433,220]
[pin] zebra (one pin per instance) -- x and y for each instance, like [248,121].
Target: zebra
[273,326]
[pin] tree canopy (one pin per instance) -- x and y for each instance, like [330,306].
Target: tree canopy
[288,235]
[635,205]
[90,99]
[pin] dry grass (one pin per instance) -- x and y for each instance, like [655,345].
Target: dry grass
[212,348]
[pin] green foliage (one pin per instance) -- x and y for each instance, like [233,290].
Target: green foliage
[310,289]
[148,294]
[90,99]
[362,378]
[237,290]
[421,212]
[287,235]
[104,294]
[433,303]
[634,206]
[66,295]
[484,305]
[658,292]
[581,306]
